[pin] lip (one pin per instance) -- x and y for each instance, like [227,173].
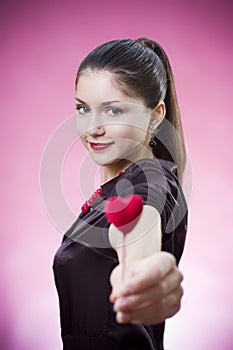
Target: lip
[98,146]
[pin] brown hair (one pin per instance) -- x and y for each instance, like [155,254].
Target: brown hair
[143,70]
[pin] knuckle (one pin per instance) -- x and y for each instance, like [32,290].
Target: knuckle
[171,258]
[181,292]
[163,288]
[177,296]
[174,309]
[180,276]
[177,307]
[171,304]
[176,300]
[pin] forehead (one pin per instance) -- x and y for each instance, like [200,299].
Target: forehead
[96,87]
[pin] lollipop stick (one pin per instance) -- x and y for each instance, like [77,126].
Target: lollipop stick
[123,259]
[124,214]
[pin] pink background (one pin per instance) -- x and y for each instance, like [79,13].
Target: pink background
[41,48]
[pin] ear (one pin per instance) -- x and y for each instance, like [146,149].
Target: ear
[158,115]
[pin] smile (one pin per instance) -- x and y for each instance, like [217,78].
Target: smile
[100,146]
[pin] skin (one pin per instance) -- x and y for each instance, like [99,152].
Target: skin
[129,132]
[151,290]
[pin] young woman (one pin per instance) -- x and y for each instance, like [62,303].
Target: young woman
[128,119]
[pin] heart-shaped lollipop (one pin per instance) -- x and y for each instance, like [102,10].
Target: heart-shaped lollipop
[125,212]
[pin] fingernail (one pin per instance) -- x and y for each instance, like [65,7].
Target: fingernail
[121,303]
[122,317]
[115,307]
[112,298]
[119,317]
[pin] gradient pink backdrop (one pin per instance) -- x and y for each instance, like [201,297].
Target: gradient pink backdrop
[41,47]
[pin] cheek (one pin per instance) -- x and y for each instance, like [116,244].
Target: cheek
[82,124]
[127,132]
[80,130]
[82,138]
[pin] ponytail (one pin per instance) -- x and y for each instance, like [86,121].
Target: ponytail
[169,142]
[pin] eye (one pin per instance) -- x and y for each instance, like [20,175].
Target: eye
[114,111]
[82,109]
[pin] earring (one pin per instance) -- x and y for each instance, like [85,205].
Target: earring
[152,143]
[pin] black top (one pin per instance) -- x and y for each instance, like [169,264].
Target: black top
[85,259]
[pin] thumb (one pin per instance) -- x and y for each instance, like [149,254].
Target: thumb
[115,280]
[119,280]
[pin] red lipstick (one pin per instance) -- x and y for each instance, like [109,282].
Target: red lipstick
[98,146]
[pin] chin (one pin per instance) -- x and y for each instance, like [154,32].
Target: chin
[102,162]
[107,162]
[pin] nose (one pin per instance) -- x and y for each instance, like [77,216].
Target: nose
[97,130]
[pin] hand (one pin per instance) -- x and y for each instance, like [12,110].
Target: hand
[151,291]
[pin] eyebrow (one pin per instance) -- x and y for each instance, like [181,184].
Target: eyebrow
[103,103]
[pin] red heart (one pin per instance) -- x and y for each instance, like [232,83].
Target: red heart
[124,212]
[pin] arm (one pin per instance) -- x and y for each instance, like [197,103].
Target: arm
[152,288]
[143,240]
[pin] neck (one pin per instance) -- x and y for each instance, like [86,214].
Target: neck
[110,171]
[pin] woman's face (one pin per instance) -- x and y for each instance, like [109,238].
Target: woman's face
[111,125]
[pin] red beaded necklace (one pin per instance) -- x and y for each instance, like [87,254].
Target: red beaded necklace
[89,203]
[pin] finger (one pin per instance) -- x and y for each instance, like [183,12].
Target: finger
[116,278]
[151,270]
[116,282]
[151,295]
[156,313]
[141,274]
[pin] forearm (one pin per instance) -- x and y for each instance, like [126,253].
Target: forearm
[143,240]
